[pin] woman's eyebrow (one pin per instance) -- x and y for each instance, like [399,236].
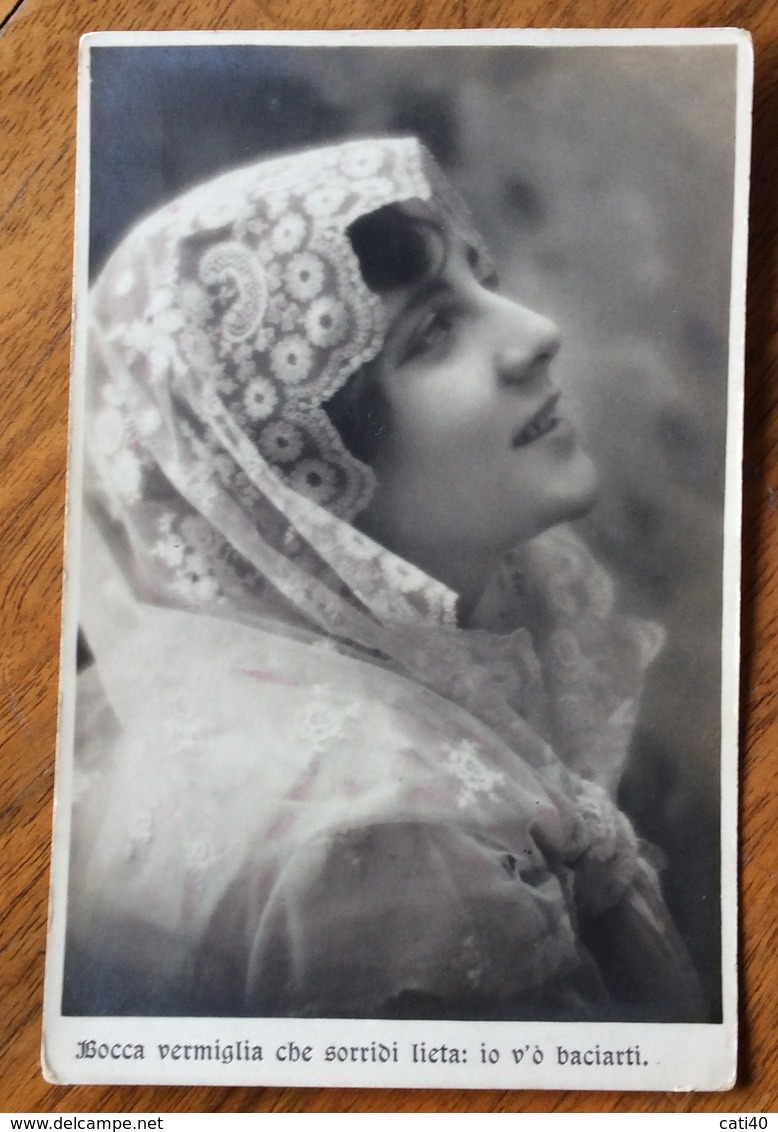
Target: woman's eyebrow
[419,298]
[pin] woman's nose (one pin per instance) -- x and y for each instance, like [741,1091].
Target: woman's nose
[528,344]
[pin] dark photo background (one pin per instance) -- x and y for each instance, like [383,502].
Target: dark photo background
[602,179]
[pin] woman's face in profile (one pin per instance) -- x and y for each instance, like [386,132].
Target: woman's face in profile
[479,455]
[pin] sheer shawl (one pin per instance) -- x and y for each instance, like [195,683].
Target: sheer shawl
[301,788]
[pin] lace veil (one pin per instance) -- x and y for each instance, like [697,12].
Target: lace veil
[218,330]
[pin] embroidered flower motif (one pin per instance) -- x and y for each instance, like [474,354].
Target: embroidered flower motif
[165,313]
[280,443]
[304,276]
[291,359]
[465,762]
[324,201]
[288,234]
[324,720]
[138,336]
[202,488]
[259,399]
[315,480]
[124,475]
[326,322]
[193,580]
[169,550]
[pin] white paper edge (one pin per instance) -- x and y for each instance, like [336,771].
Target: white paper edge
[476,37]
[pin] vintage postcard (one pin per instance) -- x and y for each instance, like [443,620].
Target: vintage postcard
[398,734]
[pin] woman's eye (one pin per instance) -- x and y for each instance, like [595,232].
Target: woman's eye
[433,330]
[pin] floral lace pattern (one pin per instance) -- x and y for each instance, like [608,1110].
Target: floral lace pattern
[253,286]
[220,327]
[466,763]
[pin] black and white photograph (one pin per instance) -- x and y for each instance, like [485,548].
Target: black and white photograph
[398,723]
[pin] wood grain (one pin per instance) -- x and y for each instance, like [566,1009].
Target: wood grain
[38,50]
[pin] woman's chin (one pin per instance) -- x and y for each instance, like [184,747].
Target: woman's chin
[576,496]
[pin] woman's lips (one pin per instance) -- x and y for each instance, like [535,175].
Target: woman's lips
[542,422]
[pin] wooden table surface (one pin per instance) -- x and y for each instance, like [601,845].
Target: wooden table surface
[38,47]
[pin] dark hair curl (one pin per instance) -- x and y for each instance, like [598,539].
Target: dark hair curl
[395,249]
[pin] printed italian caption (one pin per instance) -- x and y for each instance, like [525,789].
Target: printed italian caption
[597,1056]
